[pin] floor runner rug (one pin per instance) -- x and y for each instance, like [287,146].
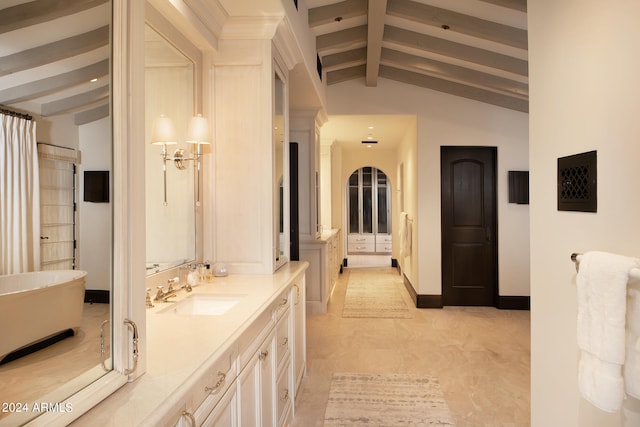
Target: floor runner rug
[390,400]
[375,293]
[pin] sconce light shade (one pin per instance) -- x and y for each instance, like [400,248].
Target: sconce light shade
[163,131]
[198,132]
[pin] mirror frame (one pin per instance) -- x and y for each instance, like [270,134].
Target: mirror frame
[280,260]
[172,35]
[125,239]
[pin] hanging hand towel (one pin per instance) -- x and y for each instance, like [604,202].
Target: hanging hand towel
[632,361]
[602,298]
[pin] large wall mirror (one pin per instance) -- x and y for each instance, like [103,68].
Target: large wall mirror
[281,181]
[170,205]
[57,58]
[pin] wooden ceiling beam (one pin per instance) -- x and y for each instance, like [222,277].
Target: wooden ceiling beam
[345,59]
[336,12]
[454,88]
[91,115]
[519,5]
[55,51]
[342,40]
[39,11]
[451,72]
[459,51]
[345,74]
[375,27]
[75,102]
[53,84]
[458,22]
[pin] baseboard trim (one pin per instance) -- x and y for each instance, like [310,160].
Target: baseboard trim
[514,303]
[429,301]
[435,301]
[93,296]
[422,301]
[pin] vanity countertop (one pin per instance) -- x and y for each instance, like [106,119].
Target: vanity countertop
[178,346]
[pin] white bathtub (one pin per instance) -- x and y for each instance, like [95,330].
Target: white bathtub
[36,306]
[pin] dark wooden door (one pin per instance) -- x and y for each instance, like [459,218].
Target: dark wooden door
[469,224]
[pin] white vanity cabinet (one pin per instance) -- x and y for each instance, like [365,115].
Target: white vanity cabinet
[299,323]
[253,383]
[264,359]
[323,256]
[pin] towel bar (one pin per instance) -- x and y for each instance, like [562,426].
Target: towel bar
[633,274]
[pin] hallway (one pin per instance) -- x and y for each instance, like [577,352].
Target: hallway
[480,355]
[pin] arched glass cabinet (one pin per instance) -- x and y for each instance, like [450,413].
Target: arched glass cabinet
[369,212]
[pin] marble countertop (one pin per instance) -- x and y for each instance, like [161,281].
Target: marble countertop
[178,347]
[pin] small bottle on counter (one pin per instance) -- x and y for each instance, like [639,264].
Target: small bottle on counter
[208,272]
[201,272]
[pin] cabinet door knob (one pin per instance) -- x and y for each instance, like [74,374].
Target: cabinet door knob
[263,354]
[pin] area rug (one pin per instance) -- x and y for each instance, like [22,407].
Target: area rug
[391,400]
[375,292]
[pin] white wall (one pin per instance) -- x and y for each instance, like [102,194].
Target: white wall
[448,120]
[94,228]
[584,95]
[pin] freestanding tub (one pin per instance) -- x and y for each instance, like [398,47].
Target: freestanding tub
[36,306]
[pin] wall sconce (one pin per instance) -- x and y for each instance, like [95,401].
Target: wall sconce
[198,133]
[163,134]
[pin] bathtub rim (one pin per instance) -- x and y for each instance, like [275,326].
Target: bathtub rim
[60,278]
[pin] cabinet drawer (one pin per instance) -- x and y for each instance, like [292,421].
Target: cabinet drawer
[284,397]
[383,238]
[253,337]
[383,247]
[283,341]
[281,305]
[215,382]
[361,247]
[361,239]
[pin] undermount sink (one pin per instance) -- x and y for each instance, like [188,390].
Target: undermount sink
[204,305]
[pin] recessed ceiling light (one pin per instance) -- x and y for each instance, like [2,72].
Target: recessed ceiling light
[93,80]
[370,127]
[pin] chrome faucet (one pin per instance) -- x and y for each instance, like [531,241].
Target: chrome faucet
[163,296]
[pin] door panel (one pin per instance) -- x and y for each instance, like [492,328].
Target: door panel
[469,224]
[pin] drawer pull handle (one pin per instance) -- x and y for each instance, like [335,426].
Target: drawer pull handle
[263,355]
[285,341]
[361,247]
[221,378]
[286,395]
[192,419]
[360,240]
[284,302]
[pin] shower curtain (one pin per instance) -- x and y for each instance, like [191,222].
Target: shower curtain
[19,196]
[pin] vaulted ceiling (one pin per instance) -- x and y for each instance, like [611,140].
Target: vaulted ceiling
[475,49]
[54,57]
[471,48]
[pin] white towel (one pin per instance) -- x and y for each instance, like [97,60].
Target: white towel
[632,362]
[602,299]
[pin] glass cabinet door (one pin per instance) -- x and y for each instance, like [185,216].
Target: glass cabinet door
[354,203]
[369,202]
[383,204]
[367,199]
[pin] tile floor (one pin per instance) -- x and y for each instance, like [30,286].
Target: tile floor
[480,355]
